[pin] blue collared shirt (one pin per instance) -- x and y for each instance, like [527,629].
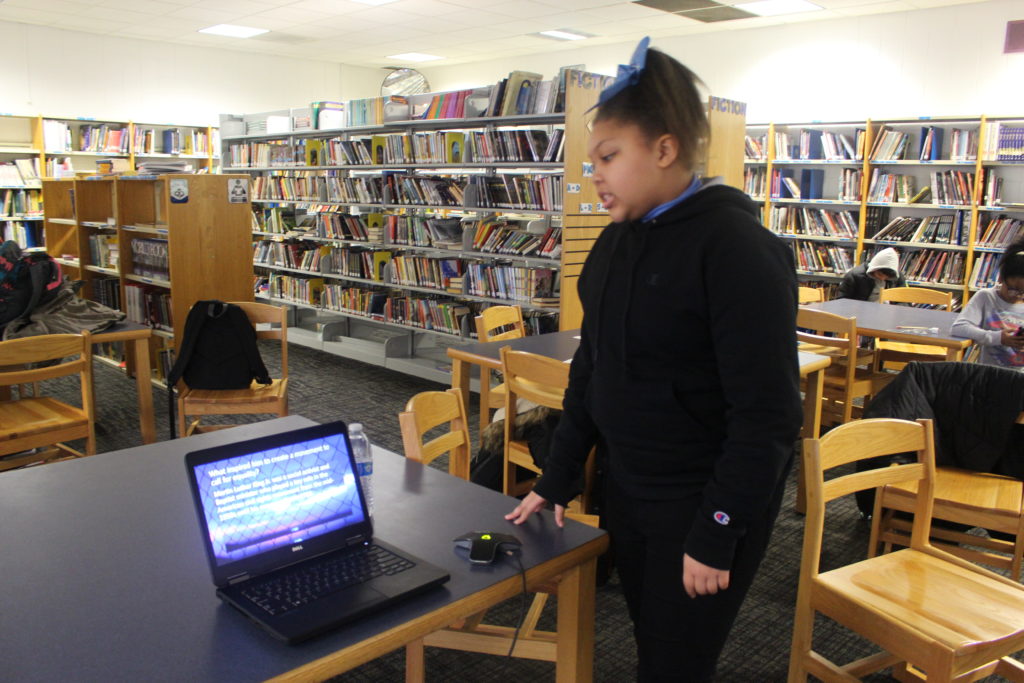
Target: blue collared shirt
[662,208]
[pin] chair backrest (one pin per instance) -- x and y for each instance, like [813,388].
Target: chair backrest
[917,295]
[861,440]
[271,315]
[49,347]
[430,409]
[500,317]
[843,333]
[809,295]
[539,379]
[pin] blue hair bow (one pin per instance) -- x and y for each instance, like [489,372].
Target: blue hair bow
[628,74]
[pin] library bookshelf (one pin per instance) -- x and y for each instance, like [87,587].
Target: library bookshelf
[386,240]
[343,236]
[37,147]
[947,193]
[152,245]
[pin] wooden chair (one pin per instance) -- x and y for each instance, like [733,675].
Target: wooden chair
[928,610]
[976,499]
[430,409]
[258,398]
[901,353]
[844,380]
[543,381]
[809,295]
[34,422]
[496,323]
[426,411]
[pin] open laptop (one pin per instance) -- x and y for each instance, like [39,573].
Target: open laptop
[288,536]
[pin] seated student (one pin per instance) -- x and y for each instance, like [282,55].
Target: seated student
[994,317]
[866,281]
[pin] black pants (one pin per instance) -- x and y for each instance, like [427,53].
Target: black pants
[677,638]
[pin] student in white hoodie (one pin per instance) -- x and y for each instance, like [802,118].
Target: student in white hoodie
[994,317]
[866,281]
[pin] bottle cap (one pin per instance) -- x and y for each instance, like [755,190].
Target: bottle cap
[355,427]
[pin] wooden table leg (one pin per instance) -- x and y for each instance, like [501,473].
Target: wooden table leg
[575,663]
[147,421]
[811,429]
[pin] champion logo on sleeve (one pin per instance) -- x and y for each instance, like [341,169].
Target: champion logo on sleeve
[721,518]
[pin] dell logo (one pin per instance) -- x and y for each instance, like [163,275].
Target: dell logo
[296,548]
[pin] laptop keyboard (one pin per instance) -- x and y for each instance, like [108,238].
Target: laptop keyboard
[314,580]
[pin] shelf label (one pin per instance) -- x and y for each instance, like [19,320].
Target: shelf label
[572,188]
[588,169]
[586,207]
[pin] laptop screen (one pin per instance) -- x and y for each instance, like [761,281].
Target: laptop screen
[276,497]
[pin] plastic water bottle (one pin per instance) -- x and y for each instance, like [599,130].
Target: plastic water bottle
[362,452]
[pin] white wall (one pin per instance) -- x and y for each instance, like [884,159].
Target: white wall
[65,73]
[937,62]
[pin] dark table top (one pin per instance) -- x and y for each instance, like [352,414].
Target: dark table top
[885,320]
[105,578]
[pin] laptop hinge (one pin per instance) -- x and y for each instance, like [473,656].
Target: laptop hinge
[355,540]
[237,578]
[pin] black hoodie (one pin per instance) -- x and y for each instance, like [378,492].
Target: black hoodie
[687,366]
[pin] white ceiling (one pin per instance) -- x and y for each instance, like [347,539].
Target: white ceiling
[352,33]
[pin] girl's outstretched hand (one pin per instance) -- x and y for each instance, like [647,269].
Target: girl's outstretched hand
[532,503]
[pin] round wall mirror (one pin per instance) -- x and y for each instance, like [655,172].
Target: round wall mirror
[404,82]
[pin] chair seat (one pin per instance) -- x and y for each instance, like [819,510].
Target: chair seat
[864,356]
[985,609]
[256,393]
[34,416]
[497,396]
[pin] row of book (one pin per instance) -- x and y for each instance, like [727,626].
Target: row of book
[1004,142]
[415,311]
[104,250]
[816,257]
[26,234]
[107,291]
[792,220]
[150,258]
[754,181]
[952,187]
[20,204]
[20,173]
[506,191]
[148,305]
[934,266]
[515,283]
[1000,231]
[893,187]
[172,141]
[501,237]
[937,229]
[985,272]
[424,231]
[440,147]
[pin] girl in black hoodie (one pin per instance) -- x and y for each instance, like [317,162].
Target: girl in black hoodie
[686,373]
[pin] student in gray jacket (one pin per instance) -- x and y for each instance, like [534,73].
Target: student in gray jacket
[994,317]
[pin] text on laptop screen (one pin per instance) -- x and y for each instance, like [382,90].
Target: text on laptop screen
[285,495]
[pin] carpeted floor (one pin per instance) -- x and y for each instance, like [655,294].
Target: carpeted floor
[325,387]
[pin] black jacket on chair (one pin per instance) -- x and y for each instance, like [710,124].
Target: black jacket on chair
[974,408]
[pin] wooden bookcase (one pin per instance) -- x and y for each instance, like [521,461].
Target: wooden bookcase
[872,195]
[330,275]
[138,249]
[21,215]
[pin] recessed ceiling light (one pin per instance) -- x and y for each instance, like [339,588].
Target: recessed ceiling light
[233,31]
[565,34]
[413,57]
[773,8]
[373,2]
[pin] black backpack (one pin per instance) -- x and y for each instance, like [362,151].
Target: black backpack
[27,280]
[218,351]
